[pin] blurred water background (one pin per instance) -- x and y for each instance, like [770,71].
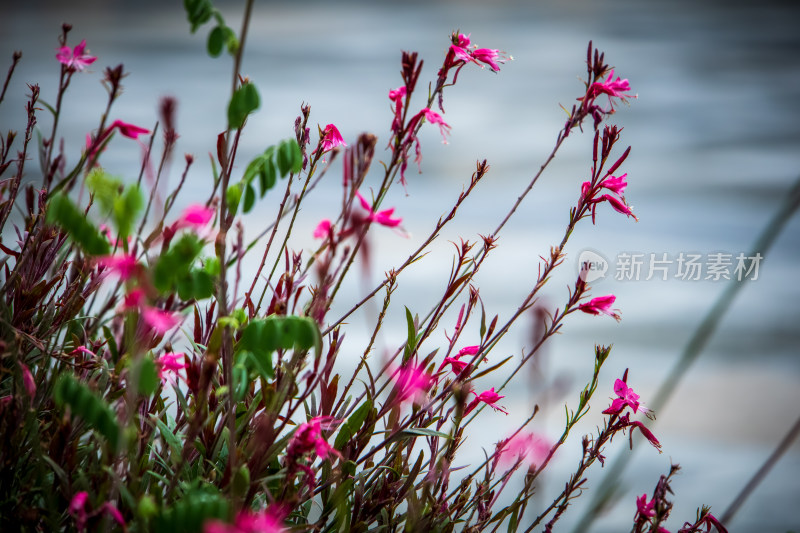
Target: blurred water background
[716,146]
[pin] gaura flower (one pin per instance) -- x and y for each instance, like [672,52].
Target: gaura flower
[616,184]
[308,437]
[527,448]
[76,58]
[601,304]
[269,520]
[124,265]
[460,48]
[645,508]
[489,397]
[489,57]
[613,88]
[323,229]
[169,364]
[157,319]
[195,216]
[412,383]
[384,218]
[77,509]
[435,118]
[130,131]
[618,205]
[625,397]
[27,380]
[331,138]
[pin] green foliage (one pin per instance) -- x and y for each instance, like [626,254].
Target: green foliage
[353,424]
[243,102]
[87,405]
[198,12]
[277,160]
[122,203]
[222,36]
[173,270]
[62,212]
[148,376]
[261,337]
[189,514]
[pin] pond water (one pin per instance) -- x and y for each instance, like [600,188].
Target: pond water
[716,147]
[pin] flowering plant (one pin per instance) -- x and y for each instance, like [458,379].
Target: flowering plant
[143,390]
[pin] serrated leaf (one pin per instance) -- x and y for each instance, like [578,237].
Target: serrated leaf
[84,403]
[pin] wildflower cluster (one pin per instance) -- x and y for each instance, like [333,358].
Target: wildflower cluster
[145,385]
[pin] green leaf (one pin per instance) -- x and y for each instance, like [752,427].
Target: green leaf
[198,12]
[244,101]
[425,432]
[216,40]
[411,341]
[233,197]
[190,513]
[84,403]
[175,264]
[289,157]
[352,425]
[148,376]
[249,198]
[62,212]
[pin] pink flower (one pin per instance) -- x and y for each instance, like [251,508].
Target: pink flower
[489,397]
[601,304]
[323,229]
[169,364]
[625,397]
[75,58]
[457,365]
[27,380]
[308,437]
[412,383]
[645,508]
[618,205]
[468,350]
[84,350]
[111,509]
[647,434]
[460,48]
[435,118]
[128,130]
[616,185]
[396,96]
[331,138]
[269,520]
[490,57]
[195,216]
[384,218]
[613,88]
[125,265]
[159,320]
[77,509]
[524,447]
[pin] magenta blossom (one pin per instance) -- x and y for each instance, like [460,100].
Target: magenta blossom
[84,350]
[457,365]
[124,265]
[601,304]
[618,205]
[397,96]
[331,138]
[625,397]
[645,508]
[158,320]
[77,509]
[323,229]
[460,48]
[616,184]
[269,520]
[384,218]
[489,57]
[412,383]
[75,58]
[524,447]
[130,131]
[489,397]
[613,88]
[435,118]
[195,216]
[308,437]
[27,380]
[468,350]
[169,364]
